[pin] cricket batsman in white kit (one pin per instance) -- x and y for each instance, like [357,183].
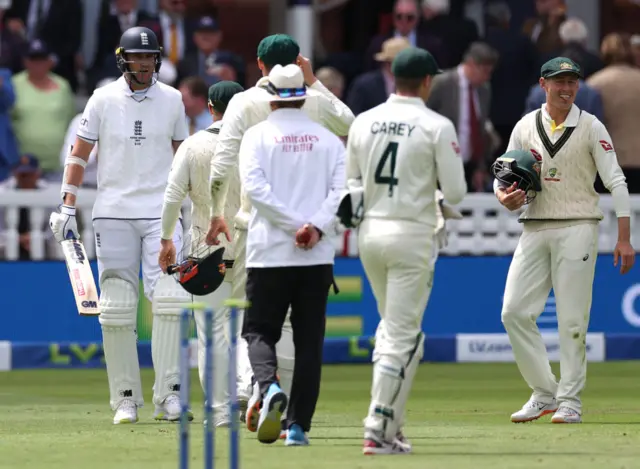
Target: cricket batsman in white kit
[139,123]
[397,153]
[190,176]
[246,110]
[551,163]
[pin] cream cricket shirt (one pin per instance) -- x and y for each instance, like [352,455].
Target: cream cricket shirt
[249,108]
[399,151]
[292,171]
[135,136]
[571,155]
[190,176]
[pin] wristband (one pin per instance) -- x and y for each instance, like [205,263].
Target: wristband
[68,210]
[75,160]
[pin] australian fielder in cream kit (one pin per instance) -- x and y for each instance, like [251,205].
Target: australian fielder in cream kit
[190,176]
[553,156]
[139,123]
[397,153]
[245,110]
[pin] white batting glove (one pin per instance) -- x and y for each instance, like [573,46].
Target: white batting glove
[441,229]
[63,224]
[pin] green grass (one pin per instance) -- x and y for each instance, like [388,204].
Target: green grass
[458,417]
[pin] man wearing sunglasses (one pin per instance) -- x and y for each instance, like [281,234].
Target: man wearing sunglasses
[245,110]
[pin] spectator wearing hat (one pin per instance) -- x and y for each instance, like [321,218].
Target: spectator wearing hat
[373,88]
[43,109]
[293,171]
[8,145]
[204,62]
[56,22]
[194,96]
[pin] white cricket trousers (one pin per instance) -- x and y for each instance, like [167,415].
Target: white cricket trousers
[563,259]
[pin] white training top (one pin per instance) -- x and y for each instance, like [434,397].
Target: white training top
[398,152]
[190,175]
[251,107]
[570,155]
[292,171]
[135,134]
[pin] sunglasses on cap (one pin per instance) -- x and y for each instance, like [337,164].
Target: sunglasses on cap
[405,16]
[286,92]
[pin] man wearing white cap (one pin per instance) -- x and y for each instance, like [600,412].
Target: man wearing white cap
[245,110]
[292,171]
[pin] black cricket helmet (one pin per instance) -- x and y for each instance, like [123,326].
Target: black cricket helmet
[201,275]
[137,40]
[522,167]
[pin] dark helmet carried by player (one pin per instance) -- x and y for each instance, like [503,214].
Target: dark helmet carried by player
[202,272]
[138,40]
[522,167]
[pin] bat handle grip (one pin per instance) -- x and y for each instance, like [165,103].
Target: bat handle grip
[172,269]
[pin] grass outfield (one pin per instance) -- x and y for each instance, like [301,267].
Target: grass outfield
[458,417]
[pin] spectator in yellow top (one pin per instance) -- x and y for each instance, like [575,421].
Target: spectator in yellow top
[43,109]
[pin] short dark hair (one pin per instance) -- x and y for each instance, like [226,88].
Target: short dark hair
[296,104]
[410,85]
[481,53]
[196,86]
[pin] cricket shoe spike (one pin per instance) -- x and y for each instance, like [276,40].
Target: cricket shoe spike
[169,410]
[273,406]
[296,436]
[533,410]
[375,445]
[566,415]
[127,412]
[253,409]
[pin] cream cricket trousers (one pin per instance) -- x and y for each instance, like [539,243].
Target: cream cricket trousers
[563,259]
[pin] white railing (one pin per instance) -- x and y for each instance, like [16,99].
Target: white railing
[486,228]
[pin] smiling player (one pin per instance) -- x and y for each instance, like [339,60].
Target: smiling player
[551,165]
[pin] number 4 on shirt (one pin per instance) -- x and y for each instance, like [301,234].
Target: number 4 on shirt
[390,154]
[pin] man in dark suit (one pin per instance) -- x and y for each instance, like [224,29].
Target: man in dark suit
[115,18]
[463,94]
[373,88]
[177,32]
[406,16]
[207,60]
[58,23]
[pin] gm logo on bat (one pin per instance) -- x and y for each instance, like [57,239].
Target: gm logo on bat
[89,304]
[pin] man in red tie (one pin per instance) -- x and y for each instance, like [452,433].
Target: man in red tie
[463,94]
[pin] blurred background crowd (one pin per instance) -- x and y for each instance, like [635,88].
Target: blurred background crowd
[54,53]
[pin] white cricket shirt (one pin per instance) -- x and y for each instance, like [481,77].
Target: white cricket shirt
[398,152]
[249,108]
[292,171]
[135,137]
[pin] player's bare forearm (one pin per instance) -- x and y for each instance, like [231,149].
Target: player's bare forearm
[624,229]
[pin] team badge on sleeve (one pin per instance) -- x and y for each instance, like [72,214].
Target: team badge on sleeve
[606,146]
[455,147]
[536,155]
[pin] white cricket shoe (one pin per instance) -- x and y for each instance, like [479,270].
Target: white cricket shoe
[566,415]
[374,444]
[222,418]
[253,409]
[169,410]
[127,412]
[402,441]
[243,394]
[533,410]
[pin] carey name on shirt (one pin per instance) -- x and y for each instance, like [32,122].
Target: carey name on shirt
[399,129]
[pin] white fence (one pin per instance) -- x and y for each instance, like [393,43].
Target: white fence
[486,228]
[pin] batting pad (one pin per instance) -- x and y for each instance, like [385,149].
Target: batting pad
[169,299]
[118,308]
[410,370]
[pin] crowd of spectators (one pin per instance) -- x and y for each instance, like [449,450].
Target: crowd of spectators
[490,80]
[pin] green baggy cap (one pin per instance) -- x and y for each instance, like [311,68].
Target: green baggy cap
[558,66]
[221,93]
[414,63]
[278,49]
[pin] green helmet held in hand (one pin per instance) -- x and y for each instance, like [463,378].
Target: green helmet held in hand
[521,167]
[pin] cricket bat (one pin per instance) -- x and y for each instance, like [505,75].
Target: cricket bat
[82,282]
